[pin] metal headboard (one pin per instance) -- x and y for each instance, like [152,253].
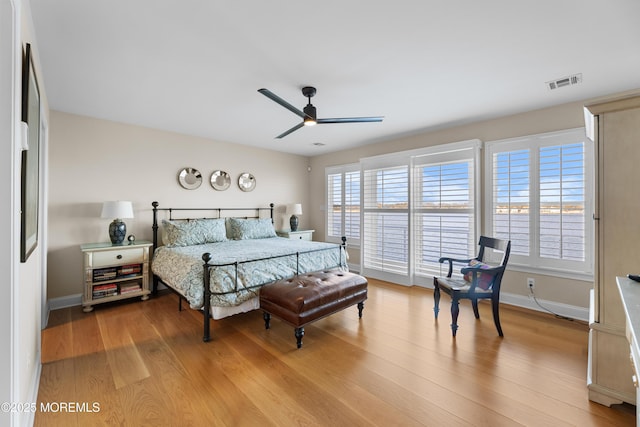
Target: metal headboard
[213,213]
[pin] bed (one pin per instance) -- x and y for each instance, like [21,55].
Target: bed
[219,261]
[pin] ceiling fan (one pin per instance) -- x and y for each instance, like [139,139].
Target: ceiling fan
[308,114]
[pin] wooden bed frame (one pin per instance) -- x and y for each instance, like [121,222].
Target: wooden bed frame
[215,213]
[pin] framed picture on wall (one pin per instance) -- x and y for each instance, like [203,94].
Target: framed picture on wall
[30,158]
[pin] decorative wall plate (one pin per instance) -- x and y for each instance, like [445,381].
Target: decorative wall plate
[246,182]
[190,178]
[220,180]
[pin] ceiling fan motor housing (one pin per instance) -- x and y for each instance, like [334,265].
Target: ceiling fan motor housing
[309,112]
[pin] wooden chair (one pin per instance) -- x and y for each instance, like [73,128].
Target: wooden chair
[480,281]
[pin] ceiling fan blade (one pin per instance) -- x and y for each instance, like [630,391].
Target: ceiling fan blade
[293,129]
[351,120]
[272,96]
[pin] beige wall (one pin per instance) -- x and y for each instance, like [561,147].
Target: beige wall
[563,291]
[92,160]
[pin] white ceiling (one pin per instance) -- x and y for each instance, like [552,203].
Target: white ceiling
[194,66]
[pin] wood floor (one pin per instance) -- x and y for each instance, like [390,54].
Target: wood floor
[144,363]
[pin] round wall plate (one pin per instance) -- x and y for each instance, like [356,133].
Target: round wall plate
[220,180]
[246,182]
[190,178]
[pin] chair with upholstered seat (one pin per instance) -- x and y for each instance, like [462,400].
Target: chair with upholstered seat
[480,281]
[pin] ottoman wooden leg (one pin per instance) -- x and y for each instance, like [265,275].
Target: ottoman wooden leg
[267,319]
[360,308]
[299,334]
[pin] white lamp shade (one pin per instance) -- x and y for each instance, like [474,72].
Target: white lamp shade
[294,209]
[117,209]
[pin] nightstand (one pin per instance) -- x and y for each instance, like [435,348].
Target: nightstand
[300,234]
[115,272]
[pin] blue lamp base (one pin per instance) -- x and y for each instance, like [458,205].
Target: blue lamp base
[117,231]
[293,222]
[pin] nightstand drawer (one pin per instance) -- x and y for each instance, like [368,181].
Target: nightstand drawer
[296,235]
[125,256]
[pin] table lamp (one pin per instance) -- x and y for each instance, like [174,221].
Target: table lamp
[117,209]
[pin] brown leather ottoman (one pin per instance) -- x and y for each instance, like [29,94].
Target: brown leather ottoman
[311,296]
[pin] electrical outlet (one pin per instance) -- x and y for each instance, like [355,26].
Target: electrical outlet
[531,283]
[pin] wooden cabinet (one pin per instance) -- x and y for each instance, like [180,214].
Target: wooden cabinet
[115,272]
[300,234]
[614,126]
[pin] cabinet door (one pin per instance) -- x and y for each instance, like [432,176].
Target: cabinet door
[619,198]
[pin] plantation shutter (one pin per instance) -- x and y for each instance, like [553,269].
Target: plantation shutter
[343,203]
[562,197]
[385,249]
[511,201]
[334,205]
[352,205]
[444,216]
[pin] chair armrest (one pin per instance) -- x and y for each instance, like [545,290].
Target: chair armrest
[443,259]
[451,261]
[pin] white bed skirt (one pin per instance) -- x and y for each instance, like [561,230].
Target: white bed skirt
[218,313]
[221,312]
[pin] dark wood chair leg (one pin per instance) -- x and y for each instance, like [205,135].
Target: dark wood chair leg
[267,319]
[495,303]
[299,332]
[436,297]
[474,304]
[455,310]
[360,308]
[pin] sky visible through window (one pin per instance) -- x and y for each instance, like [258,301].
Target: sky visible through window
[440,185]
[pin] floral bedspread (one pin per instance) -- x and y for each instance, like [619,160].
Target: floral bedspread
[182,267]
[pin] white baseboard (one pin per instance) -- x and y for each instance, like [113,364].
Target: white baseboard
[64,302]
[570,311]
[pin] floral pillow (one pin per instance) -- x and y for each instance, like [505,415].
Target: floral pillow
[484,280]
[245,229]
[193,232]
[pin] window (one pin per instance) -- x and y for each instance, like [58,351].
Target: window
[539,190]
[418,205]
[444,215]
[343,203]
[386,220]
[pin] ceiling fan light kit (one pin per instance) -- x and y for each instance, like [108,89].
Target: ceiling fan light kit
[308,113]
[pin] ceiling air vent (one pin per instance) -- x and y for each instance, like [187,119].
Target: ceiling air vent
[565,81]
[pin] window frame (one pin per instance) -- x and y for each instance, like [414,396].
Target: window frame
[341,170]
[534,262]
